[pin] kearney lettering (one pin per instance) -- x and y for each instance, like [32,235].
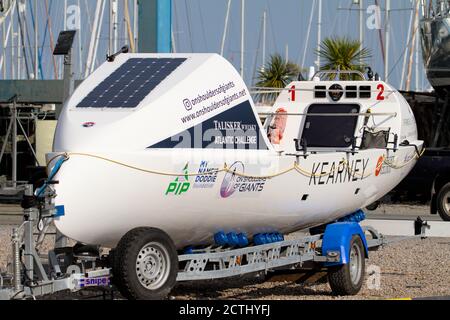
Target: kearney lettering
[325,173]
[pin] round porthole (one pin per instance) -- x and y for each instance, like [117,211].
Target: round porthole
[336,92]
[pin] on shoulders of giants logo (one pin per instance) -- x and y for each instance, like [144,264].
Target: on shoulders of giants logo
[181,184]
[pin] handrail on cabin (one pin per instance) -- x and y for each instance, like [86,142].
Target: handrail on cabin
[339,72]
[394,114]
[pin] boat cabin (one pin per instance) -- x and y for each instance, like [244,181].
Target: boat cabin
[324,116]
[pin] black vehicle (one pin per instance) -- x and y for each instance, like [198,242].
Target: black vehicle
[430,180]
[435,32]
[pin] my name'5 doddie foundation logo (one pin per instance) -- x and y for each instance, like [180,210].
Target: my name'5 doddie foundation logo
[180,185]
[206,177]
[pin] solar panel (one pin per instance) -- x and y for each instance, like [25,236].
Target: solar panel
[131,83]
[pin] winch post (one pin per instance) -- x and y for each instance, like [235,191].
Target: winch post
[16,260]
[31,258]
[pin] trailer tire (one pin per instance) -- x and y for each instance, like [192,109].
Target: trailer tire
[347,279]
[145,265]
[443,202]
[374,206]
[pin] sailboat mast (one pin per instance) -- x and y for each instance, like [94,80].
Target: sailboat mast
[65,15]
[36,30]
[225,28]
[97,37]
[91,57]
[115,24]
[361,26]
[3,59]
[308,33]
[417,63]
[130,32]
[52,42]
[19,49]
[135,24]
[416,25]
[264,37]
[387,40]
[405,57]
[242,36]
[80,52]
[319,32]
[13,75]
[287,52]
[111,31]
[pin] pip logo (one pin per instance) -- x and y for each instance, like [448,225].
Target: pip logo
[181,184]
[187,104]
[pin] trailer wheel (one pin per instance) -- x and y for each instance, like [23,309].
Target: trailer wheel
[145,264]
[347,279]
[443,202]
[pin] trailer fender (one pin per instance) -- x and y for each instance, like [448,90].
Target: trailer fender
[337,238]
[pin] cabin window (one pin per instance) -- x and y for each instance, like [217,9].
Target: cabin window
[332,130]
[365,92]
[320,92]
[351,92]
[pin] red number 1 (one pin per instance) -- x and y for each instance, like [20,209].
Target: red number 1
[292,93]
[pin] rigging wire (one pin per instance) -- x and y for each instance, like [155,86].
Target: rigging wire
[34,25]
[189,24]
[404,51]
[176,23]
[202,24]
[308,34]
[269,14]
[22,38]
[255,65]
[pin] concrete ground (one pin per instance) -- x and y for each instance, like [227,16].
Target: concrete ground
[409,269]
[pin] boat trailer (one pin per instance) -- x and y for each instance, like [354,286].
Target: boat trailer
[31,274]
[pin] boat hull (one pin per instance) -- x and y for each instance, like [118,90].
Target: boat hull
[103,200]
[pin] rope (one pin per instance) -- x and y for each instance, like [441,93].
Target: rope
[296,167]
[395,166]
[52,174]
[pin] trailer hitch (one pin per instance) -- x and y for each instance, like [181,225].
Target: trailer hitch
[420,227]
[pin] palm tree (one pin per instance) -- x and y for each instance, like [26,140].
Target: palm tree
[343,54]
[277,73]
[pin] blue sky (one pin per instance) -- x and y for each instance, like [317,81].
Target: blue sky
[287,25]
[198,27]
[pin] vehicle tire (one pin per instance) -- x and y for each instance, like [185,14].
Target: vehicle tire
[347,280]
[145,265]
[443,202]
[374,206]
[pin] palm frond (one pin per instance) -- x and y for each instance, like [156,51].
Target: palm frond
[277,73]
[343,54]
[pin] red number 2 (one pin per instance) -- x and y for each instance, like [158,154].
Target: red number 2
[380,96]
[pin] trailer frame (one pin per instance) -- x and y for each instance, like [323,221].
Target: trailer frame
[31,277]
